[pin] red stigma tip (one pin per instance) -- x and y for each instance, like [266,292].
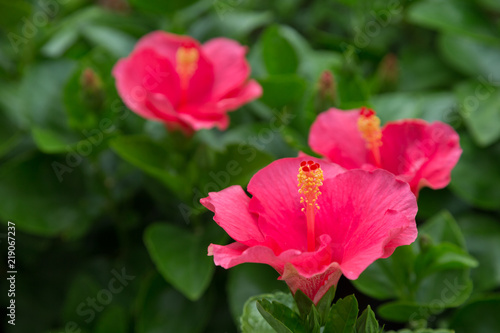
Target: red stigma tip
[314,166]
[305,169]
[310,162]
[366,112]
[303,163]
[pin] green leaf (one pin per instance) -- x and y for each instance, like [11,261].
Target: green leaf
[35,100]
[161,7]
[458,16]
[151,157]
[113,319]
[248,280]
[280,317]
[162,309]
[404,105]
[404,311]
[343,315]
[475,178]
[325,304]
[421,70]
[253,322]
[480,315]
[278,53]
[52,141]
[116,42]
[181,256]
[304,303]
[388,278]
[443,228]
[479,102]
[443,257]
[46,185]
[81,287]
[314,321]
[230,23]
[444,289]
[367,323]
[482,235]
[476,58]
[423,330]
[282,90]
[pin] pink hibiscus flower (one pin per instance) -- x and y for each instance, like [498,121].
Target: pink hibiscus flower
[333,222]
[417,152]
[176,80]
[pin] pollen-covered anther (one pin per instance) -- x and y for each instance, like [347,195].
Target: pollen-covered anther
[187,63]
[310,178]
[369,126]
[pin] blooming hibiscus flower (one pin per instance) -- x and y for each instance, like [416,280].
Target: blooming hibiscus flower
[417,152]
[332,222]
[176,80]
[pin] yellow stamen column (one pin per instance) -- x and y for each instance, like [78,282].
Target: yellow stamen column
[310,178]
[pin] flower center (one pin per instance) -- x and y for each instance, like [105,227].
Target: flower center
[187,63]
[369,126]
[310,178]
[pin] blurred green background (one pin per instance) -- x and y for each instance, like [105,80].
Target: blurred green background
[110,235]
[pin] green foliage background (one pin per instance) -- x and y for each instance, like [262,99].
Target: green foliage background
[95,190]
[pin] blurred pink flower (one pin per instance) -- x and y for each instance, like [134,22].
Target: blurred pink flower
[176,80]
[417,152]
[334,222]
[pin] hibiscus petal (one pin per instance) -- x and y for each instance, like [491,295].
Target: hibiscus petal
[143,73]
[231,213]
[335,135]
[277,201]
[230,66]
[166,44]
[422,154]
[203,116]
[312,272]
[367,214]
[250,91]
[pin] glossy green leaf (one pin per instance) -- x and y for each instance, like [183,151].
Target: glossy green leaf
[282,90]
[443,228]
[112,319]
[161,7]
[367,323]
[343,315]
[443,257]
[181,256]
[278,53]
[456,16]
[482,236]
[444,289]
[55,208]
[388,278]
[150,157]
[479,316]
[249,280]
[422,330]
[403,105]
[325,303]
[404,311]
[252,320]
[280,317]
[475,178]
[479,102]
[163,309]
[304,303]
[477,58]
